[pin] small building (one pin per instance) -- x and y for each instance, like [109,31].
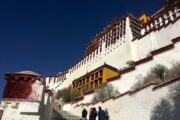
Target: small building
[23,96]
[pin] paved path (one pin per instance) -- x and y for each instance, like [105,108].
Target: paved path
[63,115]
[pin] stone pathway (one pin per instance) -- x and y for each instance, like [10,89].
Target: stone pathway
[63,115]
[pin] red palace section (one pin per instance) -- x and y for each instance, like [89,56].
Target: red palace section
[17,90]
[18,86]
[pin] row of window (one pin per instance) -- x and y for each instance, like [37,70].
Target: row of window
[116,32]
[86,59]
[89,78]
[21,78]
[90,85]
[161,19]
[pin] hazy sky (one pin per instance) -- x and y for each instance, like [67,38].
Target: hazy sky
[50,35]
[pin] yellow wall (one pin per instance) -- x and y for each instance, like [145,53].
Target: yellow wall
[109,74]
[96,78]
[144,18]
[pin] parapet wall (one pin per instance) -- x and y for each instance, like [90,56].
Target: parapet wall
[158,33]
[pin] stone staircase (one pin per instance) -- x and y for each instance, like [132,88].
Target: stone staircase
[63,115]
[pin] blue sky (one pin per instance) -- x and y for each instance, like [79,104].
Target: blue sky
[48,36]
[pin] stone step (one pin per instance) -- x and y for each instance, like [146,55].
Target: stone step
[63,115]
[69,116]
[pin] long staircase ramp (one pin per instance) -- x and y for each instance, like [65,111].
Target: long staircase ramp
[63,115]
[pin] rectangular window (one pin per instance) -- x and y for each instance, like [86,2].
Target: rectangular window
[96,82]
[91,84]
[92,77]
[96,75]
[87,79]
[80,83]
[100,80]
[101,72]
[83,81]
[73,85]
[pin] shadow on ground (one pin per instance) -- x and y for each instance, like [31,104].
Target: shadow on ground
[57,116]
[168,109]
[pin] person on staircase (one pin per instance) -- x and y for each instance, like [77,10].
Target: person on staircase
[84,114]
[94,114]
[101,114]
[91,114]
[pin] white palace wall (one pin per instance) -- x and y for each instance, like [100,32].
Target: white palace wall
[158,38]
[123,50]
[137,106]
[142,49]
[116,55]
[143,102]
[14,111]
[166,58]
[127,80]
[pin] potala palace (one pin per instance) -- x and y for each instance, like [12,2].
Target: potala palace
[144,41]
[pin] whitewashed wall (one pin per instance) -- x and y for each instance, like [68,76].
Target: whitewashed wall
[124,50]
[156,39]
[115,55]
[127,80]
[166,58]
[138,106]
[14,110]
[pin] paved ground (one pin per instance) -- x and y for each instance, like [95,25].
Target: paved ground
[57,116]
[64,116]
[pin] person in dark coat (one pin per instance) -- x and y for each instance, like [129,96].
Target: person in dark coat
[101,114]
[94,113]
[84,114]
[91,114]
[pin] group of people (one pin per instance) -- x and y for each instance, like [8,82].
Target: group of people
[93,114]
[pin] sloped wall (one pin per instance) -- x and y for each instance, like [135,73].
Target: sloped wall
[135,106]
[127,80]
[166,58]
[138,105]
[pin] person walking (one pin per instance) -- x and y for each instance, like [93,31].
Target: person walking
[94,114]
[106,114]
[91,114]
[84,114]
[101,114]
